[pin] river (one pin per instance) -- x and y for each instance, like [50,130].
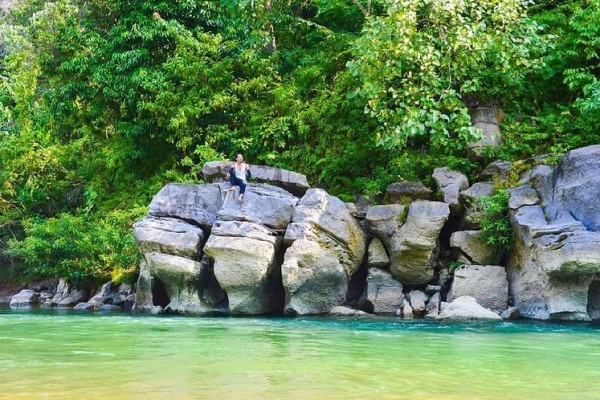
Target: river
[65,355]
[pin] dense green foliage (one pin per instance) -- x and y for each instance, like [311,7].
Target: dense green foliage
[103,102]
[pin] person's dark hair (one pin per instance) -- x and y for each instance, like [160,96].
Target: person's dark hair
[239,153]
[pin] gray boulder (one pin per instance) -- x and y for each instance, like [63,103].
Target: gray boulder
[414,249]
[472,194]
[108,294]
[246,270]
[405,192]
[418,301]
[384,221]
[293,182]
[577,187]
[67,296]
[432,310]
[377,257]
[407,311]
[469,199]
[243,229]
[319,216]
[487,284]
[412,245]
[339,245]
[555,258]
[197,204]
[451,183]
[343,311]
[263,204]
[497,171]
[466,307]
[383,294]
[169,236]
[472,249]
[74,297]
[62,291]
[144,299]
[179,277]
[26,298]
[314,278]
[523,195]
[84,306]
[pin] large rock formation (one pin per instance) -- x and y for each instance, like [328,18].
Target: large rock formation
[327,247]
[204,251]
[556,258]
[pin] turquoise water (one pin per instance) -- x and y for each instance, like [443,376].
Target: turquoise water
[81,356]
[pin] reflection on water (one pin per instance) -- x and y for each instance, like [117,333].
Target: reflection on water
[67,355]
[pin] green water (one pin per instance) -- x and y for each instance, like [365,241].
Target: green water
[82,356]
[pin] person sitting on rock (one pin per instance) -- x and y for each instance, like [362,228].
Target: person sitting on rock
[239,175]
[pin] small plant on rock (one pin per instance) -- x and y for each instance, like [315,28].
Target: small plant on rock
[492,214]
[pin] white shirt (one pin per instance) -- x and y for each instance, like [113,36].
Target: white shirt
[240,174]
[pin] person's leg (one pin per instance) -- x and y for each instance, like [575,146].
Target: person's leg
[242,190]
[234,181]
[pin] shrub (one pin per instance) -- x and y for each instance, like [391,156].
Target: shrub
[492,214]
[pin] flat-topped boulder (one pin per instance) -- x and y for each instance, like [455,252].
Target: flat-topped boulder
[169,236]
[196,204]
[295,183]
[263,204]
[405,192]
